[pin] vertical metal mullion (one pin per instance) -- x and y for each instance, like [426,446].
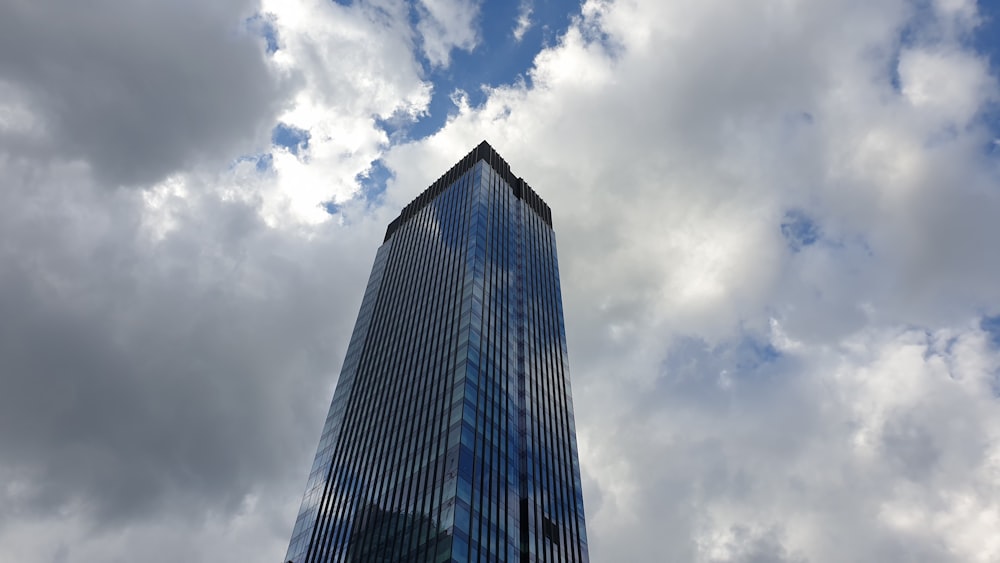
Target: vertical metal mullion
[425,456]
[456,211]
[337,541]
[325,510]
[489,335]
[374,398]
[415,453]
[407,461]
[524,517]
[554,454]
[403,383]
[542,403]
[347,436]
[554,352]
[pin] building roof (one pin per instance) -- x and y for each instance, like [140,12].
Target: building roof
[487,154]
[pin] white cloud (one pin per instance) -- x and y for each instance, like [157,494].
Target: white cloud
[956,17]
[736,400]
[17,116]
[445,25]
[523,23]
[953,85]
[340,98]
[881,438]
[670,140]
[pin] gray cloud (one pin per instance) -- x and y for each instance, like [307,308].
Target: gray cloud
[744,546]
[146,379]
[168,354]
[136,89]
[162,350]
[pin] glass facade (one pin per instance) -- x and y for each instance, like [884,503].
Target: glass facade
[451,437]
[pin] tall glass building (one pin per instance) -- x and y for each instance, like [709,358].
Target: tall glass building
[451,435]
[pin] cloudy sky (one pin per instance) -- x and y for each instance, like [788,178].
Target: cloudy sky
[778,224]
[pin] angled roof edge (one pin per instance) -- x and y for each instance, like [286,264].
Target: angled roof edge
[486,153]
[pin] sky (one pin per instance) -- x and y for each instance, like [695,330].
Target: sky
[777,224]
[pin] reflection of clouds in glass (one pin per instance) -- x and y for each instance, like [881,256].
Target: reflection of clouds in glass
[404,536]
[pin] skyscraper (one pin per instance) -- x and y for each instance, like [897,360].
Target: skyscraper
[451,435]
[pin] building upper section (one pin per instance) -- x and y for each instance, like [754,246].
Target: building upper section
[485,153]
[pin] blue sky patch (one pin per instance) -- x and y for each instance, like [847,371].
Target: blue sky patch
[292,138]
[752,353]
[264,162]
[263,25]
[331,207]
[910,35]
[991,326]
[799,230]
[373,181]
[498,59]
[986,41]
[694,370]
